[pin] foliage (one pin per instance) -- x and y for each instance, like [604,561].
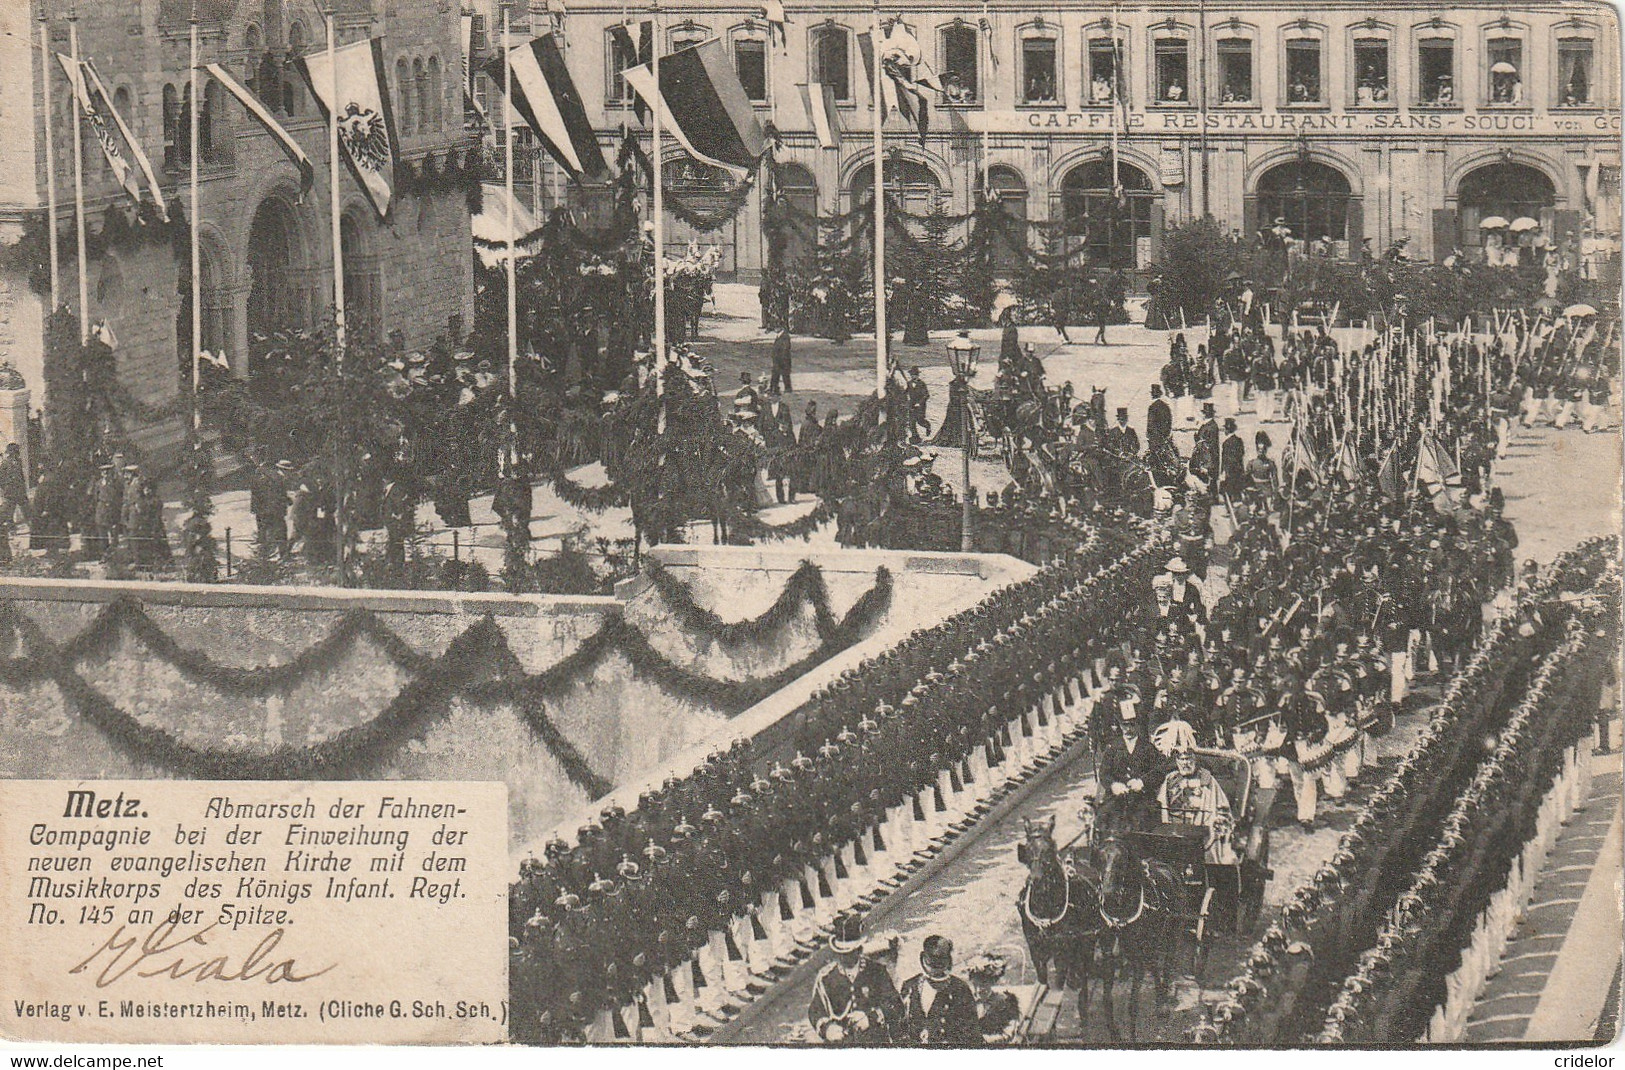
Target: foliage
[1196,258]
[198,548]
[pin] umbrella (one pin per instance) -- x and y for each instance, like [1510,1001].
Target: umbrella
[1503,68]
[1523,223]
[1575,311]
[1493,222]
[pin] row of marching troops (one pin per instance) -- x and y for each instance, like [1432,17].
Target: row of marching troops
[656,923]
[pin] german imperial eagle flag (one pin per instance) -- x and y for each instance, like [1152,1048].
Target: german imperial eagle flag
[545,94]
[366,125]
[703,105]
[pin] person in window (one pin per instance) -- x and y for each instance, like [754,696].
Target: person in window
[1040,86]
[1298,91]
[1445,90]
[1577,91]
[1175,91]
[1101,91]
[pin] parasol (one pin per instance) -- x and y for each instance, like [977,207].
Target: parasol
[1576,311]
[1492,222]
[1523,223]
[1503,67]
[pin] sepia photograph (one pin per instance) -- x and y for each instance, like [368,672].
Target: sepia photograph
[826,524]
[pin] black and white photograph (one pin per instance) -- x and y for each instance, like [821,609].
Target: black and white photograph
[828,524]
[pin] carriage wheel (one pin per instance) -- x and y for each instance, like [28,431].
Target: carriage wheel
[1253,878]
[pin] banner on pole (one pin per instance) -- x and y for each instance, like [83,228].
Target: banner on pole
[366,123]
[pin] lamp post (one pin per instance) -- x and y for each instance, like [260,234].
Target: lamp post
[962,352]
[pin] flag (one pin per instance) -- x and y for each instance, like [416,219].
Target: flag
[1388,475]
[777,23]
[1435,470]
[365,120]
[290,147]
[1303,453]
[546,96]
[822,113]
[704,106]
[467,29]
[113,134]
[1348,464]
[908,75]
[641,52]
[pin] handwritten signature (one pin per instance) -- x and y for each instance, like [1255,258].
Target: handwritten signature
[164,952]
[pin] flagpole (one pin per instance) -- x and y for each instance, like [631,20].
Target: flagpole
[882,338]
[46,63]
[197,280]
[985,88]
[513,282]
[658,208]
[79,180]
[338,269]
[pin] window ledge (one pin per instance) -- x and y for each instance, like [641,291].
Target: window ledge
[964,105]
[1424,106]
[1042,105]
[1172,105]
[1516,109]
[1305,105]
[1238,105]
[1385,106]
[1577,109]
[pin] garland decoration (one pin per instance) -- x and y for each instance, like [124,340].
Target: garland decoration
[750,528]
[476,653]
[592,499]
[806,585]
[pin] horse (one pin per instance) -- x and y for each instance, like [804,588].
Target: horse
[1058,909]
[1139,911]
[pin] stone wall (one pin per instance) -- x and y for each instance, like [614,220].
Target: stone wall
[622,727]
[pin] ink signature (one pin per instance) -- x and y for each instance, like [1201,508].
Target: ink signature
[164,952]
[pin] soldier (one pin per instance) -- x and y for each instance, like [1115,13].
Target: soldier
[1129,774]
[939,1009]
[854,1002]
[1159,422]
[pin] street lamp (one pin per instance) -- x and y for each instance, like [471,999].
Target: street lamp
[962,352]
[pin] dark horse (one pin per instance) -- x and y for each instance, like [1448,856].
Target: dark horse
[1141,924]
[1058,908]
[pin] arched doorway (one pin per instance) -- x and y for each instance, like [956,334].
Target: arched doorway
[1114,225]
[703,190]
[800,191]
[277,270]
[363,286]
[908,182]
[1008,190]
[1506,189]
[216,318]
[1312,198]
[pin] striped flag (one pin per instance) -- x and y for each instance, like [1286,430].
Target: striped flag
[822,113]
[119,146]
[546,96]
[908,75]
[290,147]
[639,52]
[365,119]
[704,106]
[777,32]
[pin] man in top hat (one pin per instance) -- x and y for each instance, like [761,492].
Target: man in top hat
[919,396]
[939,1009]
[780,379]
[854,1002]
[746,398]
[1232,462]
[1129,773]
[1159,421]
[778,431]
[1122,439]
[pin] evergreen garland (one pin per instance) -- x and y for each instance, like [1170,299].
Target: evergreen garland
[198,548]
[806,585]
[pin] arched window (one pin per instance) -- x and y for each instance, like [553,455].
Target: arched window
[909,181]
[1039,56]
[1512,191]
[686,33]
[125,106]
[1105,77]
[403,95]
[214,127]
[362,282]
[1311,197]
[800,191]
[420,81]
[1303,44]
[1008,190]
[831,56]
[293,91]
[252,47]
[1108,223]
[437,96]
[961,63]
[1171,65]
[172,137]
[750,48]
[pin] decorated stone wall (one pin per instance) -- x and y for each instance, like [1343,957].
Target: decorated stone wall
[564,698]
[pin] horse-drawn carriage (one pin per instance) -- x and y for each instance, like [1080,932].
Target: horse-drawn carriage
[1126,904]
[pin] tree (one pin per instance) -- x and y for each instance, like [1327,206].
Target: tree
[1197,257]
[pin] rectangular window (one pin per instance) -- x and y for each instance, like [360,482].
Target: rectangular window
[621,56]
[1038,71]
[1574,73]
[1303,72]
[1506,70]
[1370,71]
[832,65]
[477,39]
[1173,72]
[750,60]
[1235,71]
[961,51]
[683,37]
[1105,80]
[1436,70]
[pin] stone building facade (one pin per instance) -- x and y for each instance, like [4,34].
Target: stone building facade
[1380,121]
[266,250]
